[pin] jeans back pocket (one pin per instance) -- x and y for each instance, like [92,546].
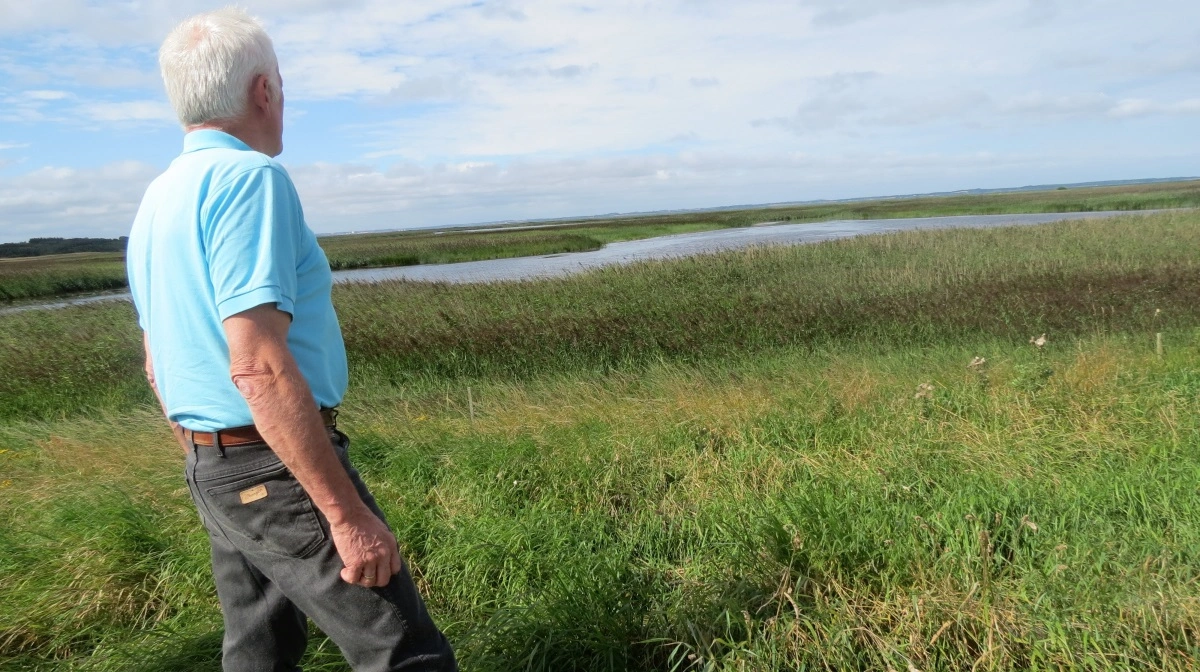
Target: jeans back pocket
[271,509]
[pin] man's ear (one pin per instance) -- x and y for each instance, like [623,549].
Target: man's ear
[261,92]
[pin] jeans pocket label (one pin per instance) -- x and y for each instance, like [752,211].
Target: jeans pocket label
[253,494]
[270,509]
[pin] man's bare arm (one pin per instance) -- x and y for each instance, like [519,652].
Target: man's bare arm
[286,416]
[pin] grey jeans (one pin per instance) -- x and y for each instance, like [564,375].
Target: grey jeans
[275,564]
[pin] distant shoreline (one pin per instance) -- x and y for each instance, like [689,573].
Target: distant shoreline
[539,223]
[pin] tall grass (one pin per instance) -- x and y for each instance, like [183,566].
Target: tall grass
[60,274]
[937,286]
[933,287]
[782,459]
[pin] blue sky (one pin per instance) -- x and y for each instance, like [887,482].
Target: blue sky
[433,113]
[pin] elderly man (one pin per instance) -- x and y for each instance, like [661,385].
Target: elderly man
[245,353]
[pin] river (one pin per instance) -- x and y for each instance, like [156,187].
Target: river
[664,247]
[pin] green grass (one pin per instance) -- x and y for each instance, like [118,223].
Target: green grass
[63,275]
[60,275]
[764,460]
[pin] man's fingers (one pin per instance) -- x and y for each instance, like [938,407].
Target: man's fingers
[389,566]
[369,552]
[368,575]
[373,573]
[382,573]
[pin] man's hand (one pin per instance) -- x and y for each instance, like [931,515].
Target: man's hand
[368,550]
[285,414]
[175,428]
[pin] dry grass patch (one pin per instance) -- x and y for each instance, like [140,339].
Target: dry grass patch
[1094,371]
[853,385]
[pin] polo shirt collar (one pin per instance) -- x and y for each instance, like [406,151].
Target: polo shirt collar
[210,138]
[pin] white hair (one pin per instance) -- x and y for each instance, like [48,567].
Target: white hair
[209,61]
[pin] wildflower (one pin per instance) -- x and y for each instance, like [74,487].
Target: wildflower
[1039,341]
[976,363]
[924,391]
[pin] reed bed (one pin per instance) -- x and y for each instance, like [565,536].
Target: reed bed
[60,275]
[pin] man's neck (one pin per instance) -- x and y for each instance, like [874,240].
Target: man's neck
[255,139]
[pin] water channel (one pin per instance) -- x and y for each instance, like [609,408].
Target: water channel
[664,247]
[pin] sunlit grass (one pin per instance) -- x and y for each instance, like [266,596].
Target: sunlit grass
[738,512]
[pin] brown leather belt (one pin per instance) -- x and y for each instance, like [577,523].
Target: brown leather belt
[244,436]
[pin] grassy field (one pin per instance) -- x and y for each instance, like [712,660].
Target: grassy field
[775,459]
[68,274]
[60,275]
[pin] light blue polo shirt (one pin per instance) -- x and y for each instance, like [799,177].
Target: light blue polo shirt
[220,232]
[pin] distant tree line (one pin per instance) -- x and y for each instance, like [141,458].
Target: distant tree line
[36,247]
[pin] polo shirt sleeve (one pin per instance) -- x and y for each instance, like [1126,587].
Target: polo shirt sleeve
[253,228]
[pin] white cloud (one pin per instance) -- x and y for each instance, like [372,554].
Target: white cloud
[841,12]
[63,107]
[1044,106]
[344,197]
[47,95]
[121,23]
[969,108]
[445,110]
[1141,107]
[73,202]
[129,111]
[430,89]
